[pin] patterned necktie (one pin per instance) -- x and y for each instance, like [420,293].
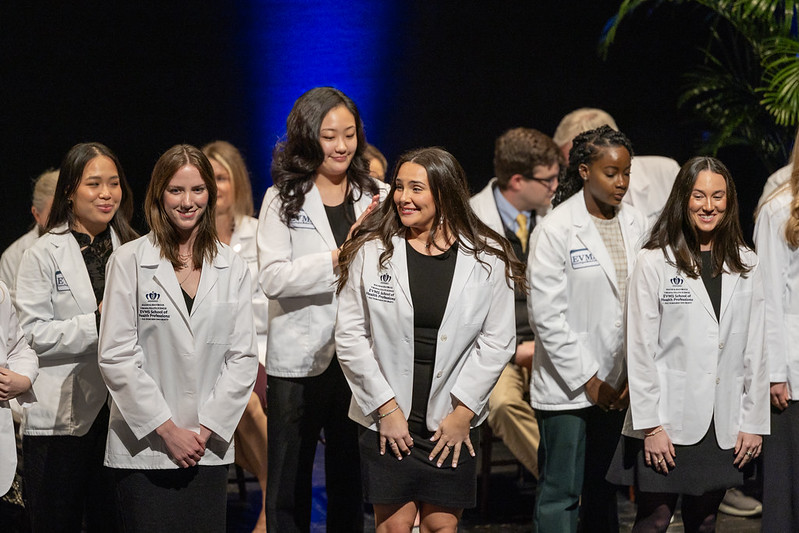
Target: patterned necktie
[522,232]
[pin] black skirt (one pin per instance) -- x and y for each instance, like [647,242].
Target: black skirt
[700,467]
[389,481]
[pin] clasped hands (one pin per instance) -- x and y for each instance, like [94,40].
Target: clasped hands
[185,447]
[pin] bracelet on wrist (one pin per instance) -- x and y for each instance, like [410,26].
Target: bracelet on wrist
[382,416]
[653,432]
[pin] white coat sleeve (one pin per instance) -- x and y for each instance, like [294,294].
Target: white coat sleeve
[354,346]
[493,347]
[547,305]
[51,337]
[222,410]
[755,405]
[775,256]
[120,357]
[281,274]
[20,357]
[643,327]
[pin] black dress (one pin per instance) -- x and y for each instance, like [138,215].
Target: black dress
[700,467]
[416,478]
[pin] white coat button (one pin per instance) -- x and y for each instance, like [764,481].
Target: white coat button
[618,323]
[721,346]
[440,373]
[717,381]
[405,340]
[444,338]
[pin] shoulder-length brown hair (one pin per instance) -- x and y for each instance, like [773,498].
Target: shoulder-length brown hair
[450,192]
[230,158]
[69,177]
[166,235]
[674,227]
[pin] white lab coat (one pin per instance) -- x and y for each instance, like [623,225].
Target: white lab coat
[684,366]
[11,258]
[56,306]
[16,355]
[297,275]
[651,180]
[374,335]
[161,362]
[485,207]
[574,304]
[780,266]
[243,243]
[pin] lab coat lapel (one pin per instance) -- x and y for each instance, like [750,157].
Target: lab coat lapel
[69,260]
[697,287]
[166,278]
[464,264]
[729,280]
[315,210]
[399,266]
[589,236]
[208,279]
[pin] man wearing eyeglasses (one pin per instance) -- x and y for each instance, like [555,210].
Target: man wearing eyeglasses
[527,165]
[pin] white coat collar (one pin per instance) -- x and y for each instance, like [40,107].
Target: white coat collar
[464,265]
[588,234]
[67,255]
[728,282]
[315,210]
[166,278]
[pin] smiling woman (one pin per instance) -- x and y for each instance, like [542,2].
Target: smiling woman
[179,367]
[60,288]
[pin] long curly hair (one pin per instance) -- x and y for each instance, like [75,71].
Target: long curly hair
[674,229]
[449,188]
[587,148]
[296,159]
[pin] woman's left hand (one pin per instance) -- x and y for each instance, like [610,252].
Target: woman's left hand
[451,434]
[12,384]
[747,447]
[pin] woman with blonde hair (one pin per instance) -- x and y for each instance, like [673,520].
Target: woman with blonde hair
[237,228]
[777,241]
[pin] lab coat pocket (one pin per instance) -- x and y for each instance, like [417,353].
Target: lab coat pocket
[474,302]
[672,397]
[220,323]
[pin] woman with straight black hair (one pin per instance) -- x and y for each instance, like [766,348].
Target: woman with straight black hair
[322,188]
[59,296]
[425,326]
[695,362]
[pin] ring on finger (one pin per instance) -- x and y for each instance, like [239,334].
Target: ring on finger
[450,446]
[660,460]
[749,453]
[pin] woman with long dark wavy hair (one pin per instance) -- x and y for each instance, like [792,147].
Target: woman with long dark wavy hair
[695,362]
[60,288]
[321,189]
[425,327]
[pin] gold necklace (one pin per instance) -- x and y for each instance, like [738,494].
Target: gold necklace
[184,259]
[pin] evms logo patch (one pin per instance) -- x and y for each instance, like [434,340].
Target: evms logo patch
[60,282]
[582,258]
[152,308]
[676,293]
[302,221]
[383,290]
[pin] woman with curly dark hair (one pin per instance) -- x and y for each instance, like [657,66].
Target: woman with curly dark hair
[425,327]
[579,259]
[322,188]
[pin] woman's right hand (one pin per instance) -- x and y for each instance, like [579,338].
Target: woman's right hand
[393,431]
[780,395]
[600,393]
[335,253]
[184,446]
[658,450]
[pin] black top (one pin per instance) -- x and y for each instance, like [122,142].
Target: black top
[188,299]
[430,278]
[341,218]
[95,255]
[712,284]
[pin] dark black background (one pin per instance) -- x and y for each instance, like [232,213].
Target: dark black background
[142,76]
